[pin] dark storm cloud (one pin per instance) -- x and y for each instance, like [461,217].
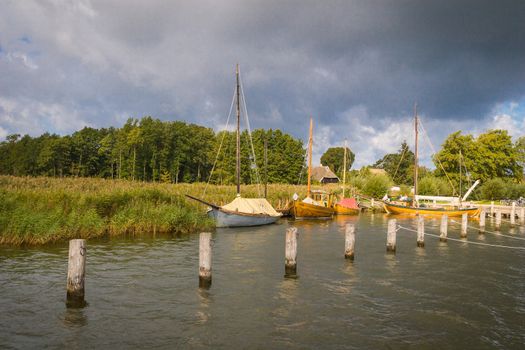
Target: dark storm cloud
[356,66]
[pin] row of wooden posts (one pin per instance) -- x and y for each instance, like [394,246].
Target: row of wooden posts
[77,252]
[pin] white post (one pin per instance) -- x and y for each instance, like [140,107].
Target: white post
[482,215]
[492,209]
[464,222]
[76,273]
[513,214]
[420,231]
[443,228]
[349,241]
[290,260]
[205,260]
[372,202]
[522,215]
[391,236]
[498,219]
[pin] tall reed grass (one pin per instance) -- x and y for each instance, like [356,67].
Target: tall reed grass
[39,210]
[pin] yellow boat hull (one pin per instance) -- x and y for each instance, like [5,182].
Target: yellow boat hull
[302,210]
[341,210]
[452,212]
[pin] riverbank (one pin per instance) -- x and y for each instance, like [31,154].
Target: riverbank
[40,210]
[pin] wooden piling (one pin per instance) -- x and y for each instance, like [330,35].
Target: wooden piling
[443,228]
[492,209]
[522,215]
[290,261]
[349,241]
[76,273]
[498,219]
[482,221]
[513,214]
[205,260]
[464,222]
[391,236]
[420,231]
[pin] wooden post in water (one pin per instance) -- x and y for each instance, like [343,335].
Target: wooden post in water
[482,221]
[290,260]
[205,260]
[522,215]
[492,209]
[443,228]
[372,202]
[464,222]
[349,241]
[76,273]
[513,214]
[391,236]
[498,219]
[420,231]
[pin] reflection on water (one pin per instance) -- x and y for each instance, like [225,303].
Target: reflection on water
[445,295]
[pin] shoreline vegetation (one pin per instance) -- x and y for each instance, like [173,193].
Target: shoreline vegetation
[42,210]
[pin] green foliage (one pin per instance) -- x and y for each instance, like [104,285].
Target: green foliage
[434,186]
[377,185]
[334,159]
[489,156]
[494,189]
[400,165]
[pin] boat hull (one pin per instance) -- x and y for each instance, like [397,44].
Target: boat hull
[302,210]
[342,210]
[400,209]
[225,218]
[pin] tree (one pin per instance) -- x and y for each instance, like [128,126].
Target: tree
[400,165]
[334,159]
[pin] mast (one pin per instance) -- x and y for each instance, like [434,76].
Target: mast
[344,171]
[265,166]
[310,141]
[460,159]
[415,155]
[238,154]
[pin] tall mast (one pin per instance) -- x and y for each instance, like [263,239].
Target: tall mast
[238,155]
[460,159]
[415,154]
[310,141]
[344,171]
[265,166]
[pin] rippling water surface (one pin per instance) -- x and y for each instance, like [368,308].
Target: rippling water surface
[144,292]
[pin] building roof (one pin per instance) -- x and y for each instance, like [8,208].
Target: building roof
[321,172]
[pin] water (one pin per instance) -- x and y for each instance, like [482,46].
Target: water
[144,292]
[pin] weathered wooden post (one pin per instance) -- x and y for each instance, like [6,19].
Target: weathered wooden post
[443,228]
[498,219]
[522,215]
[482,215]
[76,273]
[290,261]
[420,231]
[349,241]
[492,209]
[205,260]
[391,236]
[513,214]
[372,203]
[464,222]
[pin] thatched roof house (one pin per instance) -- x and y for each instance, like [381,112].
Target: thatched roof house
[324,175]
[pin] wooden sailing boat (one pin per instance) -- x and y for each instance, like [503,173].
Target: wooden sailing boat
[346,206]
[415,208]
[317,204]
[241,211]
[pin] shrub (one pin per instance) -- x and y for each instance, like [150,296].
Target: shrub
[494,189]
[377,185]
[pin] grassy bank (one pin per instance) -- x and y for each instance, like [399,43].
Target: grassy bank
[43,210]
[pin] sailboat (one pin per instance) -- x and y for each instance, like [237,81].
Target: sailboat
[452,210]
[317,204]
[241,211]
[346,206]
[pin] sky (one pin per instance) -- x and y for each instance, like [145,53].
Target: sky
[356,67]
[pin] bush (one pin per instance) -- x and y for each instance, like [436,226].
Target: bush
[494,189]
[434,186]
[377,185]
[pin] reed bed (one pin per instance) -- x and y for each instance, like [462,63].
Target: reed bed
[40,210]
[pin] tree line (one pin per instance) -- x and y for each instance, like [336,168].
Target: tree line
[149,149]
